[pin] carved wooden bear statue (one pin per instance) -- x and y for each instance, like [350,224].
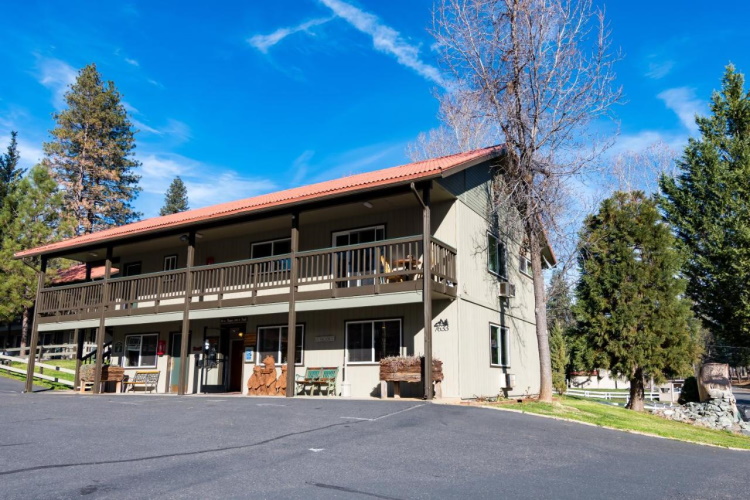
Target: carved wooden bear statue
[269,376]
[255,382]
[281,382]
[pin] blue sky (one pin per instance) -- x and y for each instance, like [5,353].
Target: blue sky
[242,98]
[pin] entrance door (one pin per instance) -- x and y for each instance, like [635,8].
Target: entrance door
[235,366]
[356,262]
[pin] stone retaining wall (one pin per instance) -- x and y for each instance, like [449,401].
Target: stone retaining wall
[718,412]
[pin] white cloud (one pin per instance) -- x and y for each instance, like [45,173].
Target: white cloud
[30,153]
[300,166]
[683,102]
[142,127]
[265,42]
[57,76]
[226,186]
[206,184]
[384,38]
[177,131]
[643,140]
[658,70]
[132,62]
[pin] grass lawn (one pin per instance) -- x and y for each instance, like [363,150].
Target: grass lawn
[63,363]
[581,410]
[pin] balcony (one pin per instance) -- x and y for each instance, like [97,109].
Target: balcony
[380,267]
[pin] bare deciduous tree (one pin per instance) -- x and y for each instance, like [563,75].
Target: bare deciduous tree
[537,72]
[464,127]
[641,170]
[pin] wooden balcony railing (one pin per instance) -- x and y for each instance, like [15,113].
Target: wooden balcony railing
[368,268]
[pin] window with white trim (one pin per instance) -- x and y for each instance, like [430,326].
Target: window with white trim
[499,345]
[370,341]
[272,248]
[170,262]
[273,341]
[140,350]
[496,256]
[524,265]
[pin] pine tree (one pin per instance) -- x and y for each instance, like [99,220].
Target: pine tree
[10,172]
[90,155]
[32,216]
[629,306]
[708,204]
[559,356]
[175,199]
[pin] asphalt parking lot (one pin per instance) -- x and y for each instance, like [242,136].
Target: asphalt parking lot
[123,446]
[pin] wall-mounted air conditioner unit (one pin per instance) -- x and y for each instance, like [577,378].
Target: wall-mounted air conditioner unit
[507,289]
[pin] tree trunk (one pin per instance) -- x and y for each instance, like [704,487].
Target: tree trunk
[636,391]
[540,315]
[24,331]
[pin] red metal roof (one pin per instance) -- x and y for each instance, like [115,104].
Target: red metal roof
[379,178]
[77,273]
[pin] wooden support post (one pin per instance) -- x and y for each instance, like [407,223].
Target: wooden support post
[100,331]
[182,379]
[292,327]
[88,271]
[78,339]
[35,329]
[427,291]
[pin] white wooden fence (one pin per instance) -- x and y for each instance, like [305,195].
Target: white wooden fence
[609,395]
[5,362]
[53,351]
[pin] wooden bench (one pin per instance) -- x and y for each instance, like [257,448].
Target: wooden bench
[320,377]
[148,379]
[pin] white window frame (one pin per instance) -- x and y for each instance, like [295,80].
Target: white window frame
[140,350]
[372,348]
[503,273]
[524,265]
[503,347]
[258,356]
[170,258]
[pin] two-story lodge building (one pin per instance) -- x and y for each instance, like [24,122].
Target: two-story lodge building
[329,274]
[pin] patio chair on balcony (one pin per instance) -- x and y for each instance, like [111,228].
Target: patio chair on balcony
[396,278]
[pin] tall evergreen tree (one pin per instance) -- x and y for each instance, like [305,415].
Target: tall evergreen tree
[175,199]
[10,172]
[708,204]
[629,305]
[32,216]
[559,356]
[91,154]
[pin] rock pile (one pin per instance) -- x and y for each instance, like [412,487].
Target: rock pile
[719,412]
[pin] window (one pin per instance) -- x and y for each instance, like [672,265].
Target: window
[356,262]
[132,269]
[370,341]
[524,265]
[496,256]
[170,262]
[499,346]
[272,341]
[270,249]
[140,350]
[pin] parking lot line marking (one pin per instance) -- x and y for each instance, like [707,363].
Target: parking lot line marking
[269,404]
[316,450]
[400,411]
[382,416]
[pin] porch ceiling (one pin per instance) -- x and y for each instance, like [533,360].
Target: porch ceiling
[251,310]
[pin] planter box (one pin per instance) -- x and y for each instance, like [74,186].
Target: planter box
[109,373]
[408,369]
